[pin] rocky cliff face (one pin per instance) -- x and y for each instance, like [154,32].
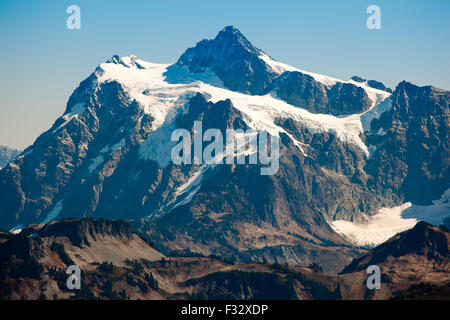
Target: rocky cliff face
[6,155]
[233,59]
[74,156]
[411,142]
[303,91]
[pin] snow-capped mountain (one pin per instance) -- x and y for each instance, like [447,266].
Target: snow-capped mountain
[247,69]
[347,149]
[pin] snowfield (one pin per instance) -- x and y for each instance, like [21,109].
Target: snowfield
[54,212]
[378,228]
[163,91]
[390,221]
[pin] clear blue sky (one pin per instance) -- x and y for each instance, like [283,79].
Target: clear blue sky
[42,62]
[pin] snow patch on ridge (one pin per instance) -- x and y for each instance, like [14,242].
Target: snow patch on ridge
[95,163]
[375,113]
[76,111]
[17,229]
[279,67]
[54,212]
[118,145]
[190,187]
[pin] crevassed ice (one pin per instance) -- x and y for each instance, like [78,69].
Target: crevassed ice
[163,101]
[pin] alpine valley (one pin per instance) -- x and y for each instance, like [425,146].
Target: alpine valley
[363,179]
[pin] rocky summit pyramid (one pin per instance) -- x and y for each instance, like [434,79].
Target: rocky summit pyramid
[346,150]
